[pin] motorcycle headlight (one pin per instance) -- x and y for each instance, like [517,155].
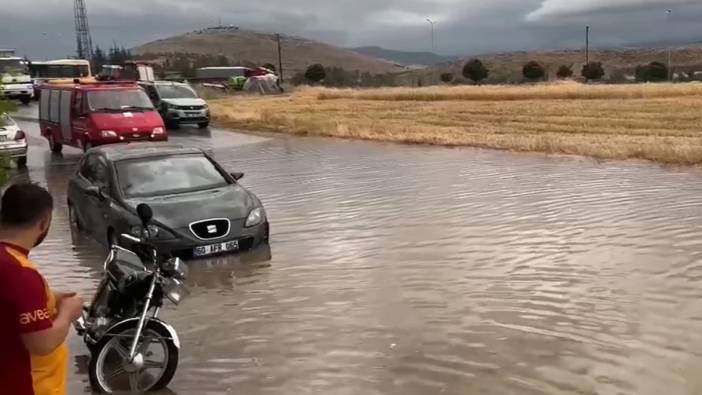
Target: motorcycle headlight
[256,216]
[175,290]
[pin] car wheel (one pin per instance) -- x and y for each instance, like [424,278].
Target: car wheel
[203,125]
[21,162]
[55,147]
[73,218]
[26,100]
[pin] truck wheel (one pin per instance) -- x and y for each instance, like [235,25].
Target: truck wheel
[55,147]
[25,99]
[21,162]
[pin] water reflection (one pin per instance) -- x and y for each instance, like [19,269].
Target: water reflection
[411,270]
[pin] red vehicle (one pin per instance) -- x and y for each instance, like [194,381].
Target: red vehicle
[85,115]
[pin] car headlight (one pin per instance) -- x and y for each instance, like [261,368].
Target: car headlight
[256,216]
[158,130]
[175,290]
[154,232]
[108,133]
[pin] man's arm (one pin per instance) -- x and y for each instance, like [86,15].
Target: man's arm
[43,342]
[41,333]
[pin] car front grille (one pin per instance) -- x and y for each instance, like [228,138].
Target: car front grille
[210,228]
[191,108]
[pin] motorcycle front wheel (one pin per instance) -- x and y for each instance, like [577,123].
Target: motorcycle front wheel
[153,367]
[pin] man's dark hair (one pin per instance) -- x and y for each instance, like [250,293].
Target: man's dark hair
[24,205]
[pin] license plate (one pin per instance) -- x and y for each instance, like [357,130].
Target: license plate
[192,114]
[216,248]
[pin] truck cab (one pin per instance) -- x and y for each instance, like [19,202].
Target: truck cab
[15,81]
[85,115]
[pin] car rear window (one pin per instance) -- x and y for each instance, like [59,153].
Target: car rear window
[167,175]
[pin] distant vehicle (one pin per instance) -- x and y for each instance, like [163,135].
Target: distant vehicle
[177,103]
[15,82]
[13,141]
[85,115]
[198,208]
[221,74]
[61,70]
[131,70]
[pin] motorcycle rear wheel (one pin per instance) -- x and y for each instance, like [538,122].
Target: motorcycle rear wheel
[116,345]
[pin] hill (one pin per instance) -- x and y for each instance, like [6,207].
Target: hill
[619,63]
[241,46]
[403,57]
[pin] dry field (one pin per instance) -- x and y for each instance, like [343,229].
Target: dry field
[659,122]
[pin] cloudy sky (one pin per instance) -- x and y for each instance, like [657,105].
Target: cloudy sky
[45,28]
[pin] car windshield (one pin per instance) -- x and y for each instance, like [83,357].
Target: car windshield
[13,66]
[176,92]
[167,175]
[119,100]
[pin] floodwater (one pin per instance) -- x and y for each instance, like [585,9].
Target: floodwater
[418,270]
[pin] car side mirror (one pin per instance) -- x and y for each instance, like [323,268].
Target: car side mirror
[237,176]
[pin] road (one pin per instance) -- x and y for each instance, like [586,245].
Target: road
[423,270]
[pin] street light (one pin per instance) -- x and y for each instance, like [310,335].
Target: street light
[668,13]
[432,33]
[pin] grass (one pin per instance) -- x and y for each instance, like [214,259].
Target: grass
[658,122]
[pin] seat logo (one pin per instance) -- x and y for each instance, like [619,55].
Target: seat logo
[211,229]
[36,315]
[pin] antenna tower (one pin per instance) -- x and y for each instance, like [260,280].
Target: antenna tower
[83,40]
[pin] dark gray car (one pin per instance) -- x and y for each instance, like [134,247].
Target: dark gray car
[199,209]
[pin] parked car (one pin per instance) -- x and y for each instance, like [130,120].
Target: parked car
[177,103]
[199,209]
[89,114]
[13,141]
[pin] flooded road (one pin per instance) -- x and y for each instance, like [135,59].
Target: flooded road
[419,270]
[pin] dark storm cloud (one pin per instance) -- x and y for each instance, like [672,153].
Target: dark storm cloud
[44,28]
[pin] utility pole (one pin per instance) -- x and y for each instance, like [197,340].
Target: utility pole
[280,59]
[587,45]
[432,34]
[669,12]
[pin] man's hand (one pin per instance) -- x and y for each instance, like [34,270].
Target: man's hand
[61,295]
[72,306]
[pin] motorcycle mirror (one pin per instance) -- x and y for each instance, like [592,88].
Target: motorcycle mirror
[145,213]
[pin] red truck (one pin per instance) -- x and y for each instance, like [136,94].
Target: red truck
[88,114]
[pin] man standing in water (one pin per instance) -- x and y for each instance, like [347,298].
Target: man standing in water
[34,321]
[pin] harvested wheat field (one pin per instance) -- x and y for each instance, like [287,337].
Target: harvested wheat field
[658,122]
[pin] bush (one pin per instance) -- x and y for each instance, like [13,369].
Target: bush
[564,72]
[475,70]
[652,72]
[315,73]
[593,71]
[446,77]
[533,71]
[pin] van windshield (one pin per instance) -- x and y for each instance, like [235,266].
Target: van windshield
[13,66]
[176,92]
[119,100]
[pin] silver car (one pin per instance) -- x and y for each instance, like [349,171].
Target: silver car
[13,141]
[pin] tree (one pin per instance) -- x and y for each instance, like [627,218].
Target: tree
[446,77]
[564,72]
[315,73]
[475,70]
[652,72]
[533,71]
[593,71]
[99,59]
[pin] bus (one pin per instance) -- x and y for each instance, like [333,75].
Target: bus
[15,82]
[61,70]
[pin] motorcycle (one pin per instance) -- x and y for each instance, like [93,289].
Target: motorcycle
[131,348]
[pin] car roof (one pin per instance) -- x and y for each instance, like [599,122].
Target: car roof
[117,152]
